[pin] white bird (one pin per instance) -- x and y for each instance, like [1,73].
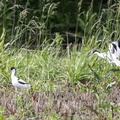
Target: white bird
[106,55]
[116,61]
[109,57]
[114,48]
[18,83]
[112,55]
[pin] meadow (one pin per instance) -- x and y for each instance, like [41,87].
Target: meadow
[67,84]
[74,85]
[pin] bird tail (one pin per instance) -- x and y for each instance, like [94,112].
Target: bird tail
[28,86]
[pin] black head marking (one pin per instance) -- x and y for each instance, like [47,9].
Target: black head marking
[114,46]
[13,68]
[96,51]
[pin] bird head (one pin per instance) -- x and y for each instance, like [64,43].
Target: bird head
[13,69]
[95,52]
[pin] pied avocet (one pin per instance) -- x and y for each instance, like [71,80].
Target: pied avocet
[109,57]
[18,83]
[114,48]
[112,55]
[106,55]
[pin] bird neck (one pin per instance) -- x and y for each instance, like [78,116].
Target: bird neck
[13,73]
[99,54]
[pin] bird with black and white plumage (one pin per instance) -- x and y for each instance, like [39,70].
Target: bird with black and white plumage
[114,48]
[112,55]
[105,55]
[16,82]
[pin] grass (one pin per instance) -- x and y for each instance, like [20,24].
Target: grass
[71,86]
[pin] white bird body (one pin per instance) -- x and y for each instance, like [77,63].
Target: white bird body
[114,48]
[16,82]
[116,61]
[106,55]
[112,55]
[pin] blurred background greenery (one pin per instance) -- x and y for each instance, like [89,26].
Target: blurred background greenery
[30,22]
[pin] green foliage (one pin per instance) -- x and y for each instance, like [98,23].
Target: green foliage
[2,116]
[58,77]
[102,25]
[29,22]
[48,72]
[2,39]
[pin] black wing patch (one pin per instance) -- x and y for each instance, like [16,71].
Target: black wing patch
[96,51]
[119,43]
[114,48]
[21,82]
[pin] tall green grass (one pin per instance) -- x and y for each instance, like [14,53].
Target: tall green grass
[49,68]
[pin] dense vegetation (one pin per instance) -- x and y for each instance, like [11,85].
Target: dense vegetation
[67,84]
[31,21]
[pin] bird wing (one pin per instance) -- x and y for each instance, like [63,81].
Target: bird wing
[116,61]
[114,48]
[22,81]
[119,43]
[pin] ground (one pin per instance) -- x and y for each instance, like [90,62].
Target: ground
[64,103]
